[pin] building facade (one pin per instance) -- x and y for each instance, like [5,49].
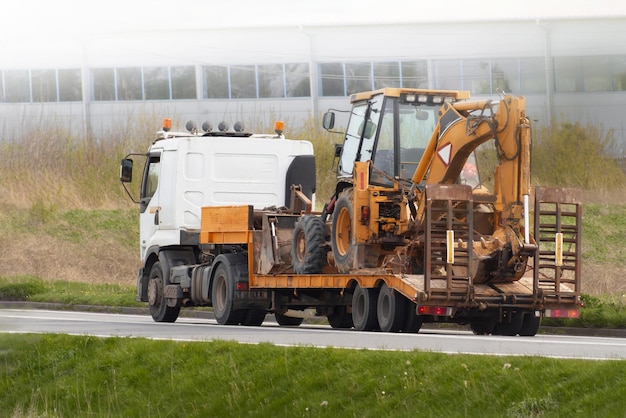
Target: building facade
[570,68]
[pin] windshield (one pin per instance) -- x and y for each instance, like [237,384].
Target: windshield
[360,132]
[404,133]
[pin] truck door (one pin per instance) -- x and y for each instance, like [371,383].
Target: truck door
[149,202]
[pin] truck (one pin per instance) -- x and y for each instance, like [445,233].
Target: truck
[433,219]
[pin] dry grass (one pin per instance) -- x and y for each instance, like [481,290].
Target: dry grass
[47,172]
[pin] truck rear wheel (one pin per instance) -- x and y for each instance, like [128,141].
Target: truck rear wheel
[158,307]
[390,309]
[222,295]
[308,254]
[253,317]
[341,235]
[364,304]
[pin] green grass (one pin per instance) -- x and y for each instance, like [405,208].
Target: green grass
[55,375]
[34,289]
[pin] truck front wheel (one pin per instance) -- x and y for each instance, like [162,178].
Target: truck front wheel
[158,307]
[222,295]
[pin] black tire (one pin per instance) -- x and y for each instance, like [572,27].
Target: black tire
[530,325]
[341,232]
[364,304]
[288,321]
[222,294]
[308,254]
[510,328]
[158,307]
[340,318]
[482,327]
[253,317]
[390,309]
[413,321]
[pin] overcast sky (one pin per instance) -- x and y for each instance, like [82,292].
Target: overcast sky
[45,19]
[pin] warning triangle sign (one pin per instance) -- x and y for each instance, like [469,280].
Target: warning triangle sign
[444,153]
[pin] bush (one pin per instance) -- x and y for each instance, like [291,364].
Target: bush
[576,155]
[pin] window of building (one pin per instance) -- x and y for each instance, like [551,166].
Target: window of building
[568,74]
[477,76]
[183,81]
[103,84]
[243,82]
[596,73]
[358,77]
[448,74]
[532,75]
[156,83]
[331,77]
[70,85]
[297,80]
[44,85]
[16,86]
[215,82]
[415,74]
[618,65]
[271,80]
[386,74]
[505,75]
[129,84]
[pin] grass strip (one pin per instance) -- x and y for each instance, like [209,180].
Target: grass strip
[58,375]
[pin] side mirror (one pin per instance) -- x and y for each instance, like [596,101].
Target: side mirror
[328,121]
[126,170]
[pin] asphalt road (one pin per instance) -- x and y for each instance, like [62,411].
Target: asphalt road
[199,329]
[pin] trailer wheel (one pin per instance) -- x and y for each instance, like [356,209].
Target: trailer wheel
[223,292]
[364,304]
[341,236]
[390,309]
[510,328]
[158,307]
[288,321]
[340,318]
[253,317]
[308,254]
[530,325]
[482,327]
[412,321]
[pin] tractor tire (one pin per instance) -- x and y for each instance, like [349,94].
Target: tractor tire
[341,235]
[158,307]
[308,254]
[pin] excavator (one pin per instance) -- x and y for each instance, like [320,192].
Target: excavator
[415,198]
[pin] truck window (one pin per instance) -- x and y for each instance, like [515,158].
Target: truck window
[151,178]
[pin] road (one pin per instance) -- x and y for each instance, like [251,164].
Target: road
[194,329]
